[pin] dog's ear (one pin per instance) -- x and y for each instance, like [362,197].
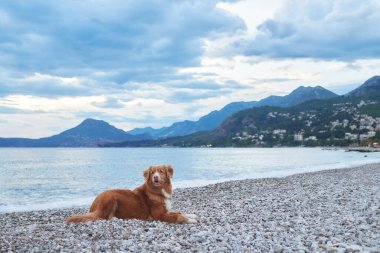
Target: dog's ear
[147,174]
[169,171]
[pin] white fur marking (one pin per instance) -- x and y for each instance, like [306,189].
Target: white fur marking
[191,216]
[168,204]
[168,200]
[191,221]
[166,195]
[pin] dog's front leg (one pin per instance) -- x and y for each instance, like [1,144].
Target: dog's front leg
[188,215]
[177,218]
[172,217]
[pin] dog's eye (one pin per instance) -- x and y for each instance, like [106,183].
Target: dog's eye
[161,171]
[151,172]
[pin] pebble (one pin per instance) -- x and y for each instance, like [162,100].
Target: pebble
[326,211]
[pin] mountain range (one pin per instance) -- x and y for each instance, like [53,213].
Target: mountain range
[325,121]
[91,132]
[215,118]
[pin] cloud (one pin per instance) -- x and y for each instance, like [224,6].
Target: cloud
[46,85]
[11,110]
[130,40]
[192,91]
[39,104]
[110,103]
[341,29]
[120,50]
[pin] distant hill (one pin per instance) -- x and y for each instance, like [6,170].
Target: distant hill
[298,96]
[89,133]
[369,87]
[320,122]
[215,118]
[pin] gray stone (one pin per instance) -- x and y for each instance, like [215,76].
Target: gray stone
[292,214]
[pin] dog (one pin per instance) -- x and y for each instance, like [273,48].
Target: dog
[150,201]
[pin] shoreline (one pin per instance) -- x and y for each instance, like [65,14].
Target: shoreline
[359,148]
[329,210]
[185,185]
[363,149]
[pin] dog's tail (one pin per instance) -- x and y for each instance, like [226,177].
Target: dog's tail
[82,218]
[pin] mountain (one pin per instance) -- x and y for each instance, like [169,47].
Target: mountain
[338,121]
[298,96]
[205,123]
[89,133]
[144,130]
[369,87]
[215,118]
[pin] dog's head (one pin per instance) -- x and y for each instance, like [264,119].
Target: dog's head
[159,176]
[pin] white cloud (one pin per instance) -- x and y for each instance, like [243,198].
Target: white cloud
[41,104]
[253,12]
[265,76]
[65,81]
[336,30]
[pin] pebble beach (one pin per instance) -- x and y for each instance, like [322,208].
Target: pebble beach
[327,211]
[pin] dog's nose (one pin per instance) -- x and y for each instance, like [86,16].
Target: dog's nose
[156,178]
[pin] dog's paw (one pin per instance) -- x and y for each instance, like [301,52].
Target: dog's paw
[191,221]
[191,216]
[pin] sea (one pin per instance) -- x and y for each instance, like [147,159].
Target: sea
[50,178]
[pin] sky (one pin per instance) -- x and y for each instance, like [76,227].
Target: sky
[152,63]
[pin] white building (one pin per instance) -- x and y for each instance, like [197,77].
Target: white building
[279,131]
[298,137]
[368,135]
[361,103]
[311,138]
[371,133]
[350,136]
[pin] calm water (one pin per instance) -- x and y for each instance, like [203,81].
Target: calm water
[40,178]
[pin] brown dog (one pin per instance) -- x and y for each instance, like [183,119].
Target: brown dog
[150,201]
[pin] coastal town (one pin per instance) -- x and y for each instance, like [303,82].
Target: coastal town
[347,123]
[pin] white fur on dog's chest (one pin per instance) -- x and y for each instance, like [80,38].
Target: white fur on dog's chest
[168,200]
[168,204]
